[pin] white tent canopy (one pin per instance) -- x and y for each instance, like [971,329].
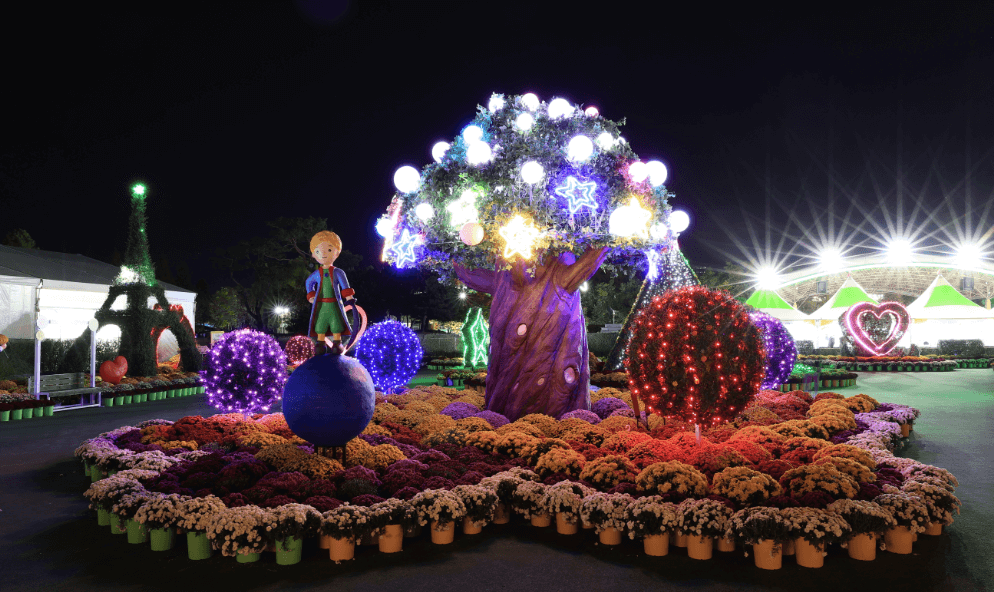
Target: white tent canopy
[942,301]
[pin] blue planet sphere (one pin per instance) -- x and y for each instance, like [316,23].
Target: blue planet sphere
[328,400]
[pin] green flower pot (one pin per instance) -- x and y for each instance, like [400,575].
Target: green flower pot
[86,468]
[108,402]
[137,533]
[201,389]
[96,474]
[49,410]
[144,398]
[27,413]
[197,546]
[289,551]
[5,415]
[162,538]
[128,399]
[248,557]
[117,526]
[118,400]
[170,394]
[103,517]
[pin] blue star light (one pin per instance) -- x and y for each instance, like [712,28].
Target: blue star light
[403,249]
[579,194]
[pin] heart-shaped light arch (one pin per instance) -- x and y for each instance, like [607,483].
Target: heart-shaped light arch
[854,324]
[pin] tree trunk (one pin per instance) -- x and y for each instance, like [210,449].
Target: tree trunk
[538,337]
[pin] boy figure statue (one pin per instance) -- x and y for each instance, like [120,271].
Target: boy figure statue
[327,290]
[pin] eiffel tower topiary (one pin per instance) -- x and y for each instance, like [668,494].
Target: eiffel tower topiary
[138,322]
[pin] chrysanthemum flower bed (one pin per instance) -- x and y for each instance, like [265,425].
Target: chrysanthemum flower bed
[784,451]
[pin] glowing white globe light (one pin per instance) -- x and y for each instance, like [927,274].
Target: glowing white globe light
[580,148]
[384,227]
[767,278]
[530,101]
[657,172]
[605,141]
[524,122]
[658,231]
[472,133]
[630,221]
[638,171]
[407,179]
[679,221]
[438,150]
[831,259]
[899,251]
[532,172]
[968,256]
[560,108]
[591,112]
[424,212]
[479,153]
[496,104]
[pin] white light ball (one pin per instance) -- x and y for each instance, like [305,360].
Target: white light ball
[472,133]
[471,233]
[560,108]
[532,172]
[424,212]
[479,153]
[439,149]
[524,122]
[407,179]
[658,231]
[679,221]
[580,148]
[530,101]
[496,104]
[591,112]
[384,227]
[605,141]
[657,172]
[638,171]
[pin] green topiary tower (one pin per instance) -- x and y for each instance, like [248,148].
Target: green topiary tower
[136,320]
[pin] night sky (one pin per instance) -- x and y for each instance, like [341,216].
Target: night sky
[779,121]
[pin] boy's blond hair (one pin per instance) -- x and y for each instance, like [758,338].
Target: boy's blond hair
[326,236]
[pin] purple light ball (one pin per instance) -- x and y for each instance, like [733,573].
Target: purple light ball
[392,354]
[244,372]
[781,352]
[608,405]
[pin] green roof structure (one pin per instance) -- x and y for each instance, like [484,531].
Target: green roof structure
[849,293]
[942,301]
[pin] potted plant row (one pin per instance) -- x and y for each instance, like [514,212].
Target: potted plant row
[26,409]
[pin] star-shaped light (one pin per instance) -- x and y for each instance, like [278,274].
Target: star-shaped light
[579,194]
[630,221]
[403,249]
[519,237]
[477,347]
[463,210]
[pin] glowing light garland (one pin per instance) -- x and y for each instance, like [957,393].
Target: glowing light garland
[244,372]
[299,349]
[403,250]
[630,221]
[475,338]
[463,210]
[781,352]
[695,355]
[519,236]
[855,325]
[391,353]
[579,194]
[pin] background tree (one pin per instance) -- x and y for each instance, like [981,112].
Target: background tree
[225,309]
[19,237]
[608,299]
[526,204]
[732,278]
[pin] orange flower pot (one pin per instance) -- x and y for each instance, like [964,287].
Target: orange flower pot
[934,529]
[541,520]
[610,536]
[502,516]
[808,555]
[443,535]
[341,549]
[657,545]
[788,548]
[863,547]
[700,547]
[470,527]
[898,540]
[725,545]
[679,539]
[765,556]
[905,430]
[392,539]
[324,542]
[564,526]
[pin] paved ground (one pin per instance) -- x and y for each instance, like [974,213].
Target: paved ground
[50,541]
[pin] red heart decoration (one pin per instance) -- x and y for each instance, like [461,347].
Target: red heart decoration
[113,371]
[856,327]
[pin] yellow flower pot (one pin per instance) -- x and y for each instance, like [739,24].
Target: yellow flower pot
[700,547]
[679,539]
[725,545]
[470,527]
[808,555]
[541,520]
[788,548]
[341,549]
[502,516]
[863,547]
[392,539]
[443,535]
[898,540]
[564,526]
[765,556]
[657,545]
[610,536]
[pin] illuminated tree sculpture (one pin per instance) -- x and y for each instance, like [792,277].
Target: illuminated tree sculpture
[475,338]
[781,352]
[695,355]
[244,372]
[526,204]
[392,354]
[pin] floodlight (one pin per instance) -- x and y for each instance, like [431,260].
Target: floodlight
[831,259]
[968,256]
[899,251]
[767,278]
